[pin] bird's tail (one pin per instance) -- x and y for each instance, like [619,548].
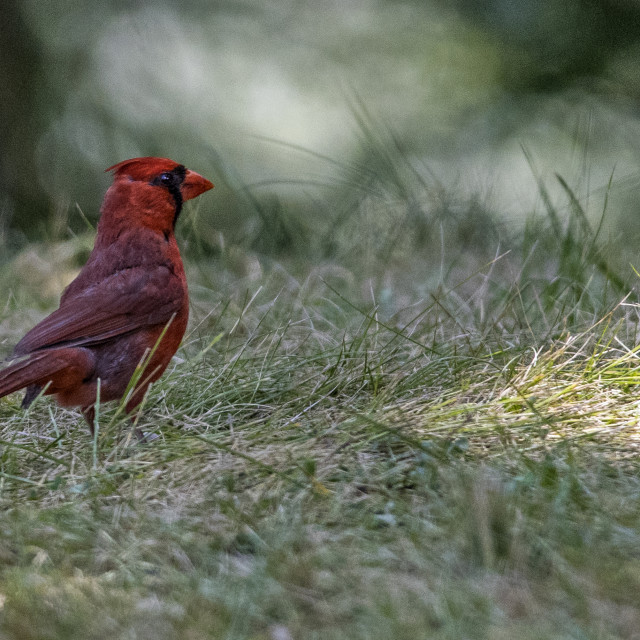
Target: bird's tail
[34,369]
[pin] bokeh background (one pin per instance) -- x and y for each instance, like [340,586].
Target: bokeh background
[300,111]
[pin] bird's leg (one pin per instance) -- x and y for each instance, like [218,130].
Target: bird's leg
[139,433]
[89,414]
[144,437]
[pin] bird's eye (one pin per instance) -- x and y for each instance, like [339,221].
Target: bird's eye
[170,179]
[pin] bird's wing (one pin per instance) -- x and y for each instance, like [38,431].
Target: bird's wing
[123,302]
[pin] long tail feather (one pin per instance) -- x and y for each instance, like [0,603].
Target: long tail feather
[37,368]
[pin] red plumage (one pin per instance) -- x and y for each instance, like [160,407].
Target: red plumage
[129,300]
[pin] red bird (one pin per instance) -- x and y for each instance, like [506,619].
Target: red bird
[129,303]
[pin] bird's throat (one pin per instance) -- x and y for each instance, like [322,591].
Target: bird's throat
[177,199]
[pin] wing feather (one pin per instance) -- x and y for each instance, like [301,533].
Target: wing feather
[123,302]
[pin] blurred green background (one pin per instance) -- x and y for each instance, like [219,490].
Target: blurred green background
[299,110]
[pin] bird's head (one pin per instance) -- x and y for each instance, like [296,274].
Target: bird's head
[150,191]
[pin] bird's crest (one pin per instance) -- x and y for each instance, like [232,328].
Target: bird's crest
[143,168]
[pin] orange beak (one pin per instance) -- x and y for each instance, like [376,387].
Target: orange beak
[193,185]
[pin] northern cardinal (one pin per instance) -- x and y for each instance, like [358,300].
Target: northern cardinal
[128,305]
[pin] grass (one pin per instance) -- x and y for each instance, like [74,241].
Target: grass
[396,435]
